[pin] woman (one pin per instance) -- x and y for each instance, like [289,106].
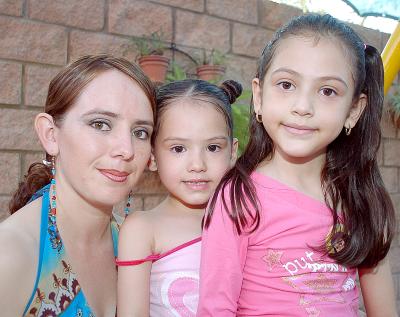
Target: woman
[57,251]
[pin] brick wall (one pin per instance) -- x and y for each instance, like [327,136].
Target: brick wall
[40,36]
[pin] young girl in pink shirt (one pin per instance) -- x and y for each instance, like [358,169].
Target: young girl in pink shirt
[159,250]
[304,208]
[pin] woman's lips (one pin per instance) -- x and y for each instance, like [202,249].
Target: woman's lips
[114,175]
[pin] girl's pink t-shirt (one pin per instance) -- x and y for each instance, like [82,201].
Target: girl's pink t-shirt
[277,270]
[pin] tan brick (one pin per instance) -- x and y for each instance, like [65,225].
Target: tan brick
[184,61]
[249,40]
[194,5]
[32,41]
[396,203]
[370,37]
[239,10]
[387,126]
[88,14]
[9,172]
[394,258]
[241,69]
[274,15]
[152,201]
[4,211]
[84,43]
[202,31]
[396,281]
[390,177]
[29,158]
[37,80]
[139,18]
[379,155]
[150,184]
[10,83]
[16,130]
[391,152]
[385,38]
[11,7]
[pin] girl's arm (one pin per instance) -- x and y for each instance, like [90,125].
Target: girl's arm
[135,243]
[222,258]
[378,291]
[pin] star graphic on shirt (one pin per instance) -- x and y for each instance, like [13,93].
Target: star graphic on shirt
[272,258]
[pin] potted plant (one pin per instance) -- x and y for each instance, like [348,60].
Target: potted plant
[176,73]
[394,106]
[151,58]
[211,67]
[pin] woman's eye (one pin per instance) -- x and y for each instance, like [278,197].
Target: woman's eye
[328,92]
[285,85]
[178,149]
[100,125]
[214,148]
[141,134]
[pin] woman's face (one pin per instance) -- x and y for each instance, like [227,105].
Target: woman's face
[104,140]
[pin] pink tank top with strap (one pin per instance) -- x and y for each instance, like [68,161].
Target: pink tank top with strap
[174,280]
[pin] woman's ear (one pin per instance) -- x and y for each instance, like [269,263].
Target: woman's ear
[356,111]
[152,163]
[256,88]
[45,129]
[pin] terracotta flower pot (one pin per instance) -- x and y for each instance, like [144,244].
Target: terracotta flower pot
[154,66]
[210,72]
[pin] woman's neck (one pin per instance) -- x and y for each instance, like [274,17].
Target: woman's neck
[80,220]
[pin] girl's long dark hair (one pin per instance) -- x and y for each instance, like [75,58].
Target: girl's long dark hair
[350,178]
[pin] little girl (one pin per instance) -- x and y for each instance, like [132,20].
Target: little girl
[305,207]
[159,250]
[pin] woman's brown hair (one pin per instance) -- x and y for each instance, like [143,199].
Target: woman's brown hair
[63,92]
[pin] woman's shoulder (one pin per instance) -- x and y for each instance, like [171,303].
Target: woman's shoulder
[19,249]
[24,224]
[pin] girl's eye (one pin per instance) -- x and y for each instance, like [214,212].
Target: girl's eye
[285,85]
[141,134]
[178,149]
[100,125]
[328,92]
[214,148]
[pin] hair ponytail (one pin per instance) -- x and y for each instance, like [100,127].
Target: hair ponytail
[38,176]
[232,90]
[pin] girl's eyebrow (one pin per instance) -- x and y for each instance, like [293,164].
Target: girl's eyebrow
[186,139]
[223,138]
[293,72]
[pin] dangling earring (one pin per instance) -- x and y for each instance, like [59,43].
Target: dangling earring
[52,228]
[259,118]
[127,209]
[52,188]
[347,130]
